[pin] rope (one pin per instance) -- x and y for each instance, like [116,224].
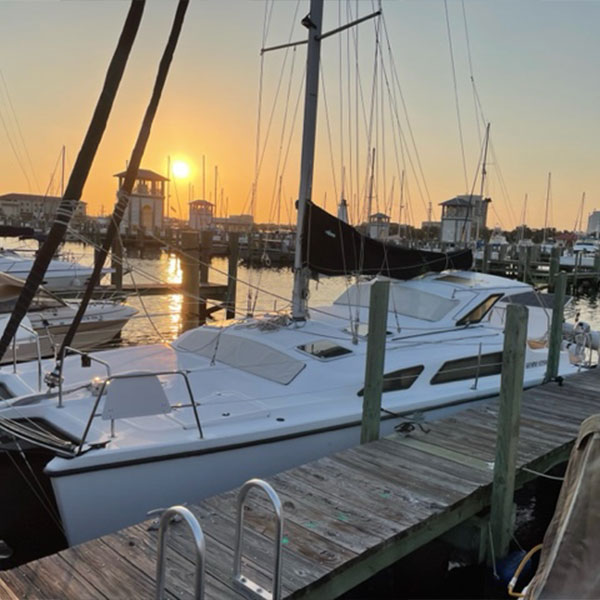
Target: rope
[460,133]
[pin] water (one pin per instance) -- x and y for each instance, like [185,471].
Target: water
[259,290]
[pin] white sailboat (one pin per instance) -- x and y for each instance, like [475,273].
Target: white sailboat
[135,429]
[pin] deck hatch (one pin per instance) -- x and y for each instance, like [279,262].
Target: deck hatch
[324,349]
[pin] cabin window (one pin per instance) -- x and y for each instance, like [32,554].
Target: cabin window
[398,380]
[324,349]
[479,311]
[469,368]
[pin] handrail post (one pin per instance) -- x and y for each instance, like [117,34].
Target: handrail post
[199,543]
[375,359]
[509,415]
[248,587]
[556,328]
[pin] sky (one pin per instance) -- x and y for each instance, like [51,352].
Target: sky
[535,66]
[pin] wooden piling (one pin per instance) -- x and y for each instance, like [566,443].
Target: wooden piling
[511,390]
[378,310]
[485,264]
[204,257]
[554,267]
[234,257]
[596,267]
[556,327]
[190,276]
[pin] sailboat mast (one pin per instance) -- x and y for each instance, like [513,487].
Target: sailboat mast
[313,21]
[62,173]
[483,174]
[546,212]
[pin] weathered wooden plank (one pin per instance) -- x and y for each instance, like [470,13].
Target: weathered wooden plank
[220,524]
[121,580]
[312,548]
[7,592]
[54,578]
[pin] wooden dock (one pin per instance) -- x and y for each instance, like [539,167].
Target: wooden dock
[347,516]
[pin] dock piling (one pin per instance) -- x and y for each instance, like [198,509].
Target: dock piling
[556,327]
[190,276]
[378,310]
[511,390]
[234,257]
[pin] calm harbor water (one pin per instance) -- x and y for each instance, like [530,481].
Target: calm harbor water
[259,290]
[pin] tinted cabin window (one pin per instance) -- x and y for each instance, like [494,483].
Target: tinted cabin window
[324,349]
[479,311]
[466,368]
[399,380]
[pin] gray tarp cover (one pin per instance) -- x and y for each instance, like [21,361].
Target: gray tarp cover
[570,559]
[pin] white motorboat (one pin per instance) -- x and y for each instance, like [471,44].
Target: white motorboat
[49,318]
[61,274]
[131,430]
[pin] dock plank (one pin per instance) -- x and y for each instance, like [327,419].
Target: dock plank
[347,516]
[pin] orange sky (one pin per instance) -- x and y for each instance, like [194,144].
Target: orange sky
[535,65]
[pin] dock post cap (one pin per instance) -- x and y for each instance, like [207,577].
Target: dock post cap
[165,520]
[240,581]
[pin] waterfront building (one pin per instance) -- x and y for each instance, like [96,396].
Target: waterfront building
[33,209]
[146,202]
[463,218]
[201,214]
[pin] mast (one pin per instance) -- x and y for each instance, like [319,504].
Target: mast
[168,186]
[62,173]
[79,173]
[524,217]
[370,204]
[546,212]
[483,174]
[401,203]
[313,22]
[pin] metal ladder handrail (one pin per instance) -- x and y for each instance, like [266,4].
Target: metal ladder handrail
[62,362]
[247,586]
[133,376]
[199,542]
[38,352]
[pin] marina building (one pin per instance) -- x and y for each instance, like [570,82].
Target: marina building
[593,226]
[201,214]
[463,218]
[31,209]
[146,202]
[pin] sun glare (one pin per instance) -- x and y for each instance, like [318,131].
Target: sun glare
[180,169]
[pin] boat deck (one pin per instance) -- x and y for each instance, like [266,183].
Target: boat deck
[347,516]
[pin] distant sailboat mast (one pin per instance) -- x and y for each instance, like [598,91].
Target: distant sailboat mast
[546,211]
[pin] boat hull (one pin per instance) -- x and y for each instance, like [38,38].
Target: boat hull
[98,502]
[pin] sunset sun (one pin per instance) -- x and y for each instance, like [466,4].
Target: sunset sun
[180,169]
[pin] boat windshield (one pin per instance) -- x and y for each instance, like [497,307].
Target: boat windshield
[407,301]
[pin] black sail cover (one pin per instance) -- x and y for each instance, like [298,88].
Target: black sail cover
[332,247]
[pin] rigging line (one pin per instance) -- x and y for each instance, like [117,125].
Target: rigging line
[260,155]
[19,131]
[131,172]
[15,152]
[328,123]
[396,80]
[472,77]
[48,509]
[79,173]
[460,133]
[279,169]
[404,149]
[497,170]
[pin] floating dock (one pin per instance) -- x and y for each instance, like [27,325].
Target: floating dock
[347,516]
